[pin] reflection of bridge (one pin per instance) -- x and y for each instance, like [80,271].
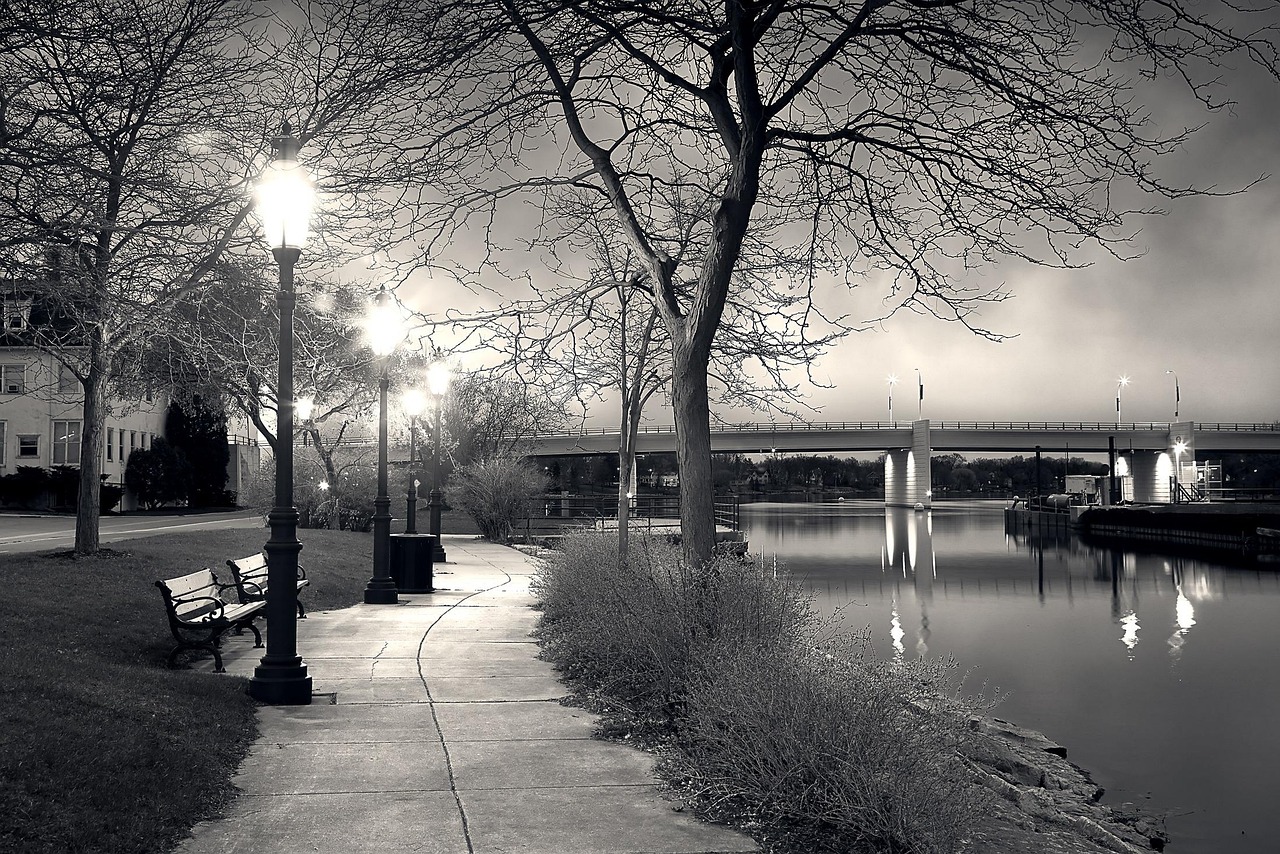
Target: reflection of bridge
[1147,452]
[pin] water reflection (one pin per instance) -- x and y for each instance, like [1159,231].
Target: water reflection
[896,632]
[1130,636]
[1072,633]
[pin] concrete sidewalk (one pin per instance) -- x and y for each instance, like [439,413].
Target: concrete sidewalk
[436,729]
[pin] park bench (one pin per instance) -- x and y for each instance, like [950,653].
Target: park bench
[199,613]
[250,574]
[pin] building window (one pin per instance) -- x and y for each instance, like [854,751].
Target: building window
[16,313]
[111,443]
[120,444]
[28,447]
[13,379]
[3,436]
[67,382]
[66,443]
[133,440]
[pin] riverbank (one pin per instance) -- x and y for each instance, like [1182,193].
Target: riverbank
[780,723]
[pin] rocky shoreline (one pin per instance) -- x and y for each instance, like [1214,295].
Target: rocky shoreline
[1046,803]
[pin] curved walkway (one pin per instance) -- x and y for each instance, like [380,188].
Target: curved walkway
[437,729]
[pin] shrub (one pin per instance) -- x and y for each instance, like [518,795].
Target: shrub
[109,497]
[25,487]
[349,507]
[767,711]
[634,631]
[158,475]
[497,492]
[861,754]
[64,486]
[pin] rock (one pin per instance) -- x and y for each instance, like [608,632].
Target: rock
[1031,773]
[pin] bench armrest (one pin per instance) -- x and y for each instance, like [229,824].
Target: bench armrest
[215,614]
[252,588]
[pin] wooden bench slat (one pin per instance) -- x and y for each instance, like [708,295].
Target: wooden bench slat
[250,575]
[200,614]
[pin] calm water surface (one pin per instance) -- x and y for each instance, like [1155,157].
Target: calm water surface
[1159,674]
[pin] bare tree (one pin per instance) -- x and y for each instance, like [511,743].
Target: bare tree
[130,134]
[121,192]
[817,143]
[597,336]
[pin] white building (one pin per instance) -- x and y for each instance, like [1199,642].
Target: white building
[41,411]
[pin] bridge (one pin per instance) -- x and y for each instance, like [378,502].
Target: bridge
[1147,454]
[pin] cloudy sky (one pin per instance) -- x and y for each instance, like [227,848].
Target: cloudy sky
[1203,300]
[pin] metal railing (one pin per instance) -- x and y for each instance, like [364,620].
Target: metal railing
[813,426]
[568,511]
[835,426]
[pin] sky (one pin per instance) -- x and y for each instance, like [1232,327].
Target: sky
[1200,301]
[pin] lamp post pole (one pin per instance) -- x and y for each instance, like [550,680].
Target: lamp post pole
[1177,394]
[381,589]
[437,384]
[892,381]
[281,677]
[1121,383]
[411,497]
[434,500]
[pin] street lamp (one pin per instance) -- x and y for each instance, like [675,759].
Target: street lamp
[1120,383]
[1179,448]
[438,384]
[412,402]
[284,199]
[1177,394]
[384,334]
[892,381]
[920,404]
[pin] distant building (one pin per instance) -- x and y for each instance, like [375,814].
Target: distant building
[42,407]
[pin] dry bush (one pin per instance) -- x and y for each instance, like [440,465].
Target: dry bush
[852,752]
[773,716]
[632,631]
[497,492]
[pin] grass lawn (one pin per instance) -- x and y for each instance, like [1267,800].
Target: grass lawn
[102,748]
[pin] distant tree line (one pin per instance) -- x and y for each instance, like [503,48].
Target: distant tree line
[953,474]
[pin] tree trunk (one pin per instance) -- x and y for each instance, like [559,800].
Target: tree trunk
[693,455]
[625,461]
[93,418]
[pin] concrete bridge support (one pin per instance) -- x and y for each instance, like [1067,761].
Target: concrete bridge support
[1153,473]
[907,479]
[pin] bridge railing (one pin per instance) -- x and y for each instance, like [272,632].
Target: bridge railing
[829,426]
[814,426]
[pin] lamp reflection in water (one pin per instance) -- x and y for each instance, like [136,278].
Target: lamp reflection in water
[1130,636]
[896,632]
[1184,614]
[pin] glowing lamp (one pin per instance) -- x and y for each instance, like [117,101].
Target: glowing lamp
[285,195]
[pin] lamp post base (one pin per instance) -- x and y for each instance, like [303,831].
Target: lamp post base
[434,505]
[381,591]
[281,683]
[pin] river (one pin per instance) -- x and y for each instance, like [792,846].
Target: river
[1158,673]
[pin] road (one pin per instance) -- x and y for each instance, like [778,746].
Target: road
[37,533]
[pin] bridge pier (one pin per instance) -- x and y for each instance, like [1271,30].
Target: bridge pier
[1152,473]
[907,473]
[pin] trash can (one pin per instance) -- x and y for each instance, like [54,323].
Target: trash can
[411,566]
